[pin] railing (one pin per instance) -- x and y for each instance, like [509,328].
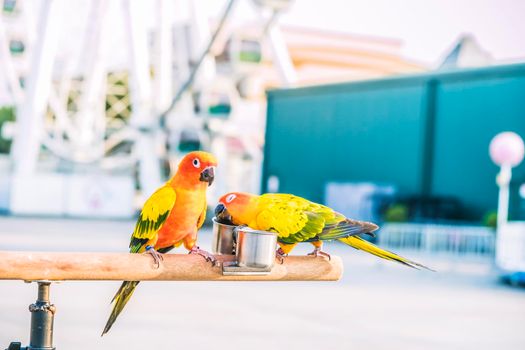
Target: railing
[457,240]
[45,268]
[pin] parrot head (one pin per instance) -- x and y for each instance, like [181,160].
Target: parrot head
[197,167]
[236,208]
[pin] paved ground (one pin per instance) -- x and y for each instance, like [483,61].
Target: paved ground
[376,305]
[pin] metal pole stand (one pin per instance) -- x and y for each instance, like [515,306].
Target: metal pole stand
[42,317]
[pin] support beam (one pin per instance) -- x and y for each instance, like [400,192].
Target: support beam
[52,266]
[163,61]
[90,120]
[142,117]
[8,74]
[281,56]
[30,117]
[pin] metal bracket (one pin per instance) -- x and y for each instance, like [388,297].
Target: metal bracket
[232,269]
[15,346]
[42,317]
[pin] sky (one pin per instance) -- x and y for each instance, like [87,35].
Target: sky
[427,28]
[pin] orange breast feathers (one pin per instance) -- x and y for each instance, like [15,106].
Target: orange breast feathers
[183,219]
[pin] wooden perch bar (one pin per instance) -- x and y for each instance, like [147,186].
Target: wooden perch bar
[52,266]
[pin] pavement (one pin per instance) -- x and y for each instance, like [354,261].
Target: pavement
[376,305]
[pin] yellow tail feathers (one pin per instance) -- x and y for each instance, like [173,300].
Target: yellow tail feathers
[361,244]
[120,300]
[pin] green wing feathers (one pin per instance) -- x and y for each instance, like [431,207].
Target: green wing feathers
[311,228]
[361,244]
[347,227]
[153,215]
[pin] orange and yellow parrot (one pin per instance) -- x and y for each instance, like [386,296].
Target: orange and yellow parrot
[169,218]
[296,220]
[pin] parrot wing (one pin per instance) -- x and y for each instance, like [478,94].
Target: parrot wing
[296,219]
[347,227]
[153,215]
[293,218]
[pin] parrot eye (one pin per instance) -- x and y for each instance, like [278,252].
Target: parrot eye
[196,163]
[230,198]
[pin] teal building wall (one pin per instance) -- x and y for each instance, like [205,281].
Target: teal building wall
[426,134]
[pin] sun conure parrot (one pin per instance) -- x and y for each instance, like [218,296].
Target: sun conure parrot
[169,218]
[296,220]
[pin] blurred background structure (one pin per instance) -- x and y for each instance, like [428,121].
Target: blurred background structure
[383,110]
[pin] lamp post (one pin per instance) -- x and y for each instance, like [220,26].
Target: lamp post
[506,150]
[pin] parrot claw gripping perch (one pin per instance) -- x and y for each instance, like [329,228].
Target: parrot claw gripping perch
[318,252]
[157,257]
[280,255]
[206,255]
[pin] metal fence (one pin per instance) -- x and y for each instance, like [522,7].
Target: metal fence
[455,240]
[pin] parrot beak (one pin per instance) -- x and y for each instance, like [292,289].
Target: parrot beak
[207,175]
[222,215]
[219,209]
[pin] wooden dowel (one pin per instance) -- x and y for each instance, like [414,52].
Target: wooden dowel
[52,266]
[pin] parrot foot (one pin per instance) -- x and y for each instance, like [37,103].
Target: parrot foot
[157,257]
[206,255]
[280,255]
[318,252]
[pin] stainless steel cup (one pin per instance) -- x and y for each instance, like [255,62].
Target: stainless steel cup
[255,249]
[223,242]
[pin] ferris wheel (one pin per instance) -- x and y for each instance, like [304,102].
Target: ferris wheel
[108,86]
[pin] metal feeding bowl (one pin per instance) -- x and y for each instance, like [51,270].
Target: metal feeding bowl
[254,250]
[223,241]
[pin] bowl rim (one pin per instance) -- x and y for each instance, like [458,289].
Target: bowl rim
[215,222]
[243,228]
[247,229]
